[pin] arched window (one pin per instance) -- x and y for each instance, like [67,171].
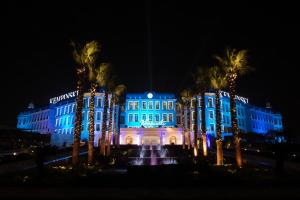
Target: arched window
[172,140]
[129,140]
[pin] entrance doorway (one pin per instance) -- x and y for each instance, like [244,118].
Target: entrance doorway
[150,140]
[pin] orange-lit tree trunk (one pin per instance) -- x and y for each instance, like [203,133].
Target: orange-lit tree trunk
[203,123]
[237,139]
[115,124]
[78,120]
[118,125]
[219,131]
[188,125]
[110,125]
[104,119]
[182,125]
[91,124]
[195,127]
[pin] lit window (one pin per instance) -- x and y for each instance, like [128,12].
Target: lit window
[130,105]
[136,105]
[212,127]
[193,115]
[157,105]
[170,117]
[156,117]
[211,114]
[150,117]
[170,105]
[164,105]
[56,122]
[150,105]
[97,127]
[97,115]
[165,117]
[210,102]
[144,107]
[130,118]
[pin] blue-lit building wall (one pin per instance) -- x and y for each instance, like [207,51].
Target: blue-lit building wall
[155,109]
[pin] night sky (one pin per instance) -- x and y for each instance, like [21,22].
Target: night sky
[37,63]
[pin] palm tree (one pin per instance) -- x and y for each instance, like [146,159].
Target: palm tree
[201,82]
[217,82]
[234,64]
[93,80]
[195,124]
[83,57]
[186,96]
[110,88]
[118,92]
[181,110]
[103,77]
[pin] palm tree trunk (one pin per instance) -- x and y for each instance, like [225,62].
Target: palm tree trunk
[182,126]
[188,125]
[219,131]
[109,125]
[118,125]
[115,124]
[91,124]
[237,139]
[78,120]
[203,124]
[195,128]
[104,119]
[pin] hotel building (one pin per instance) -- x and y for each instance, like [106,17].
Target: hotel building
[145,118]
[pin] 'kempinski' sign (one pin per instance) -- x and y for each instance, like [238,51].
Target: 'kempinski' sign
[55,100]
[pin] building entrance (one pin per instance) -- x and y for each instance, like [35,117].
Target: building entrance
[150,140]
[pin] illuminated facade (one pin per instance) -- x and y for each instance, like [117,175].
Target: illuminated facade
[145,118]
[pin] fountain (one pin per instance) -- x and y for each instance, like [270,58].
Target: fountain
[153,155]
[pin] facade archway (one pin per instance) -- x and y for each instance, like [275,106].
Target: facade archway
[129,140]
[172,140]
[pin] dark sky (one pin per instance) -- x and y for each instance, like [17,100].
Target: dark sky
[37,64]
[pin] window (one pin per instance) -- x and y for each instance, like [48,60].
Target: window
[136,117]
[211,114]
[56,122]
[193,115]
[68,109]
[212,127]
[200,115]
[150,117]
[129,140]
[210,102]
[136,105]
[157,105]
[170,105]
[164,105]
[130,118]
[165,117]
[60,110]
[59,123]
[73,106]
[57,111]
[67,121]
[144,106]
[172,140]
[199,102]
[150,105]
[130,105]
[144,117]
[97,115]
[97,127]
[170,117]
[157,117]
